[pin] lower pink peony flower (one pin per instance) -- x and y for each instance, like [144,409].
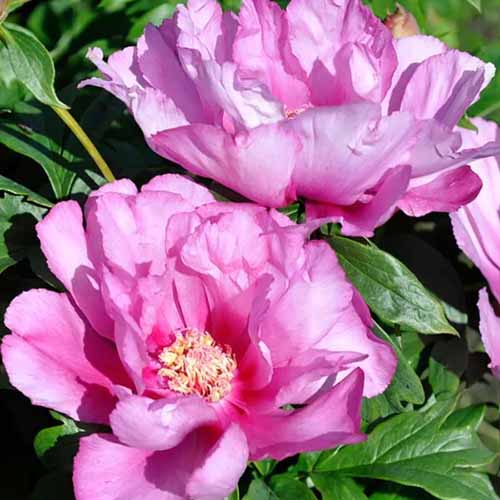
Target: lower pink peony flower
[206,334]
[477,231]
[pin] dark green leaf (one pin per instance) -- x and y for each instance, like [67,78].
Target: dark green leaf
[338,487]
[286,487]
[265,467]
[391,290]
[13,187]
[31,62]
[259,490]
[35,131]
[416,449]
[17,236]
[405,385]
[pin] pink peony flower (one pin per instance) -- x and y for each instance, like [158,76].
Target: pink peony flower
[477,225]
[190,326]
[477,231]
[318,101]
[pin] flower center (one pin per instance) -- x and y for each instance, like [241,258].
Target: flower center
[195,364]
[293,113]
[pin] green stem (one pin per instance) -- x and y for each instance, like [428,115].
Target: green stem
[87,143]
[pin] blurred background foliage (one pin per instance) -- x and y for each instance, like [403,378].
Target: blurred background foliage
[41,162]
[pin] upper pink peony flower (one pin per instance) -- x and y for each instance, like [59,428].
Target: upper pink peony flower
[318,101]
[477,231]
[190,326]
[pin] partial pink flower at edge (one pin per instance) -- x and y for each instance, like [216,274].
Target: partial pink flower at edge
[489,327]
[318,101]
[165,281]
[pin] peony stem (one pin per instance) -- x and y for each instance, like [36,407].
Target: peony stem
[87,143]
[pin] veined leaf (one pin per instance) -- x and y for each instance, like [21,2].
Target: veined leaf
[31,63]
[420,449]
[391,290]
[338,487]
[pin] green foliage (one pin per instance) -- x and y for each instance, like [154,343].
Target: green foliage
[390,289]
[422,449]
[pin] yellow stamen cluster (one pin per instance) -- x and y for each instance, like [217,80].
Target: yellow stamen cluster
[195,364]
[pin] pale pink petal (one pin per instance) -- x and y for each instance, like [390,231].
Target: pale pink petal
[64,245]
[425,94]
[258,163]
[347,150]
[161,69]
[446,192]
[331,420]
[362,218]
[57,360]
[489,327]
[411,51]
[121,72]
[147,424]
[203,37]
[258,51]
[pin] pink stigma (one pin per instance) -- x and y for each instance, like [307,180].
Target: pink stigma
[195,364]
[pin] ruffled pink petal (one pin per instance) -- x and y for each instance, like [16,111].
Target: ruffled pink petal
[489,326]
[444,193]
[428,96]
[204,35]
[192,192]
[147,424]
[347,150]
[64,244]
[161,69]
[121,72]
[56,360]
[257,163]
[411,51]
[361,219]
[258,51]
[317,293]
[331,420]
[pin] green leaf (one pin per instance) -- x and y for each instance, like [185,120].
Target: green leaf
[265,467]
[419,449]
[36,132]
[405,385]
[56,446]
[391,290]
[13,187]
[31,62]
[17,235]
[476,4]
[259,490]
[235,495]
[470,417]
[337,487]
[287,487]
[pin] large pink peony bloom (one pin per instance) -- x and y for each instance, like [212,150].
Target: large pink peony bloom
[189,326]
[318,101]
[477,231]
